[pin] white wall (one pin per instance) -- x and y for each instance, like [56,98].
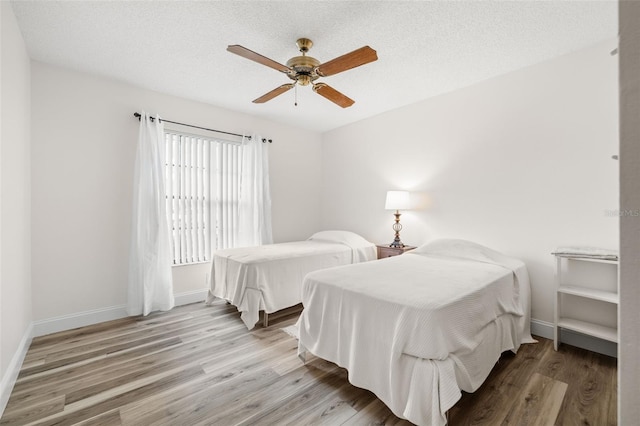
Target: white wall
[15,222]
[84,138]
[629,361]
[521,163]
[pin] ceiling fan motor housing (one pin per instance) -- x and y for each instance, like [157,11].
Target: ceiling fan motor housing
[303,67]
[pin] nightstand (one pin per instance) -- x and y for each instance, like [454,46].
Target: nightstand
[385,251]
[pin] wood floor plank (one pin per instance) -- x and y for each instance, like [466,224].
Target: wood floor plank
[260,349]
[592,382]
[200,365]
[51,340]
[375,413]
[116,344]
[69,371]
[490,404]
[336,407]
[112,344]
[240,405]
[126,326]
[103,352]
[168,348]
[206,404]
[288,406]
[110,418]
[153,409]
[195,353]
[226,378]
[87,411]
[34,411]
[538,404]
[289,364]
[57,375]
[174,359]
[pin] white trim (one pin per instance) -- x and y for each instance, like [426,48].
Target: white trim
[545,329]
[191,297]
[95,316]
[13,369]
[177,265]
[79,319]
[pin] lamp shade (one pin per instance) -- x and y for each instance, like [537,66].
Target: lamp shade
[397,200]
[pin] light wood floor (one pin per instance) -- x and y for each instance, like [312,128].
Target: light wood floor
[199,365]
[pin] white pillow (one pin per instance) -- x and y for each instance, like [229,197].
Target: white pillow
[462,249]
[344,237]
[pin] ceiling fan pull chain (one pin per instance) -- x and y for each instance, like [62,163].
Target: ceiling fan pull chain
[295,90]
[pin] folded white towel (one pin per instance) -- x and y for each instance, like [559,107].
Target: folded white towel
[586,252]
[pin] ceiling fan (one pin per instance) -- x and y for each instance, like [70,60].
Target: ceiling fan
[305,70]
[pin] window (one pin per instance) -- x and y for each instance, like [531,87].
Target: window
[202,191]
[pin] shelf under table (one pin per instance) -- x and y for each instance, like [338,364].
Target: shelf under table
[605,296]
[591,329]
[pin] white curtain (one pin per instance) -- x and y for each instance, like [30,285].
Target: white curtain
[150,280]
[254,209]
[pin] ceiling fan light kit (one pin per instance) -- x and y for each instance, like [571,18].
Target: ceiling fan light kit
[305,70]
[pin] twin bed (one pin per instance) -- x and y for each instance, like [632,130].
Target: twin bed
[417,329]
[414,329]
[269,278]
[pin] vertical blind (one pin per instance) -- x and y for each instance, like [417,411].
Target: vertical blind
[202,190]
[227,193]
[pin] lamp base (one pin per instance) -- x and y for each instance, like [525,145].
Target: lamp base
[397,227]
[397,243]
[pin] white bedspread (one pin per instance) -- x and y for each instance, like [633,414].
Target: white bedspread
[416,329]
[269,277]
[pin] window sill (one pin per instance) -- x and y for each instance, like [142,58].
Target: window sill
[190,264]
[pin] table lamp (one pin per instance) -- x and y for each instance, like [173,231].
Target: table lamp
[397,200]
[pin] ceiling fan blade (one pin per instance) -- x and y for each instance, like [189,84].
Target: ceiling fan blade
[256,57]
[333,95]
[275,92]
[358,57]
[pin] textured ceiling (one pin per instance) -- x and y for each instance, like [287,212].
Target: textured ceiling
[425,48]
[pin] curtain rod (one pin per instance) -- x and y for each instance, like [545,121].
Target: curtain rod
[137,115]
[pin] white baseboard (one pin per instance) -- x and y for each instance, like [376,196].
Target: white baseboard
[545,329]
[191,297]
[79,319]
[13,369]
[95,316]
